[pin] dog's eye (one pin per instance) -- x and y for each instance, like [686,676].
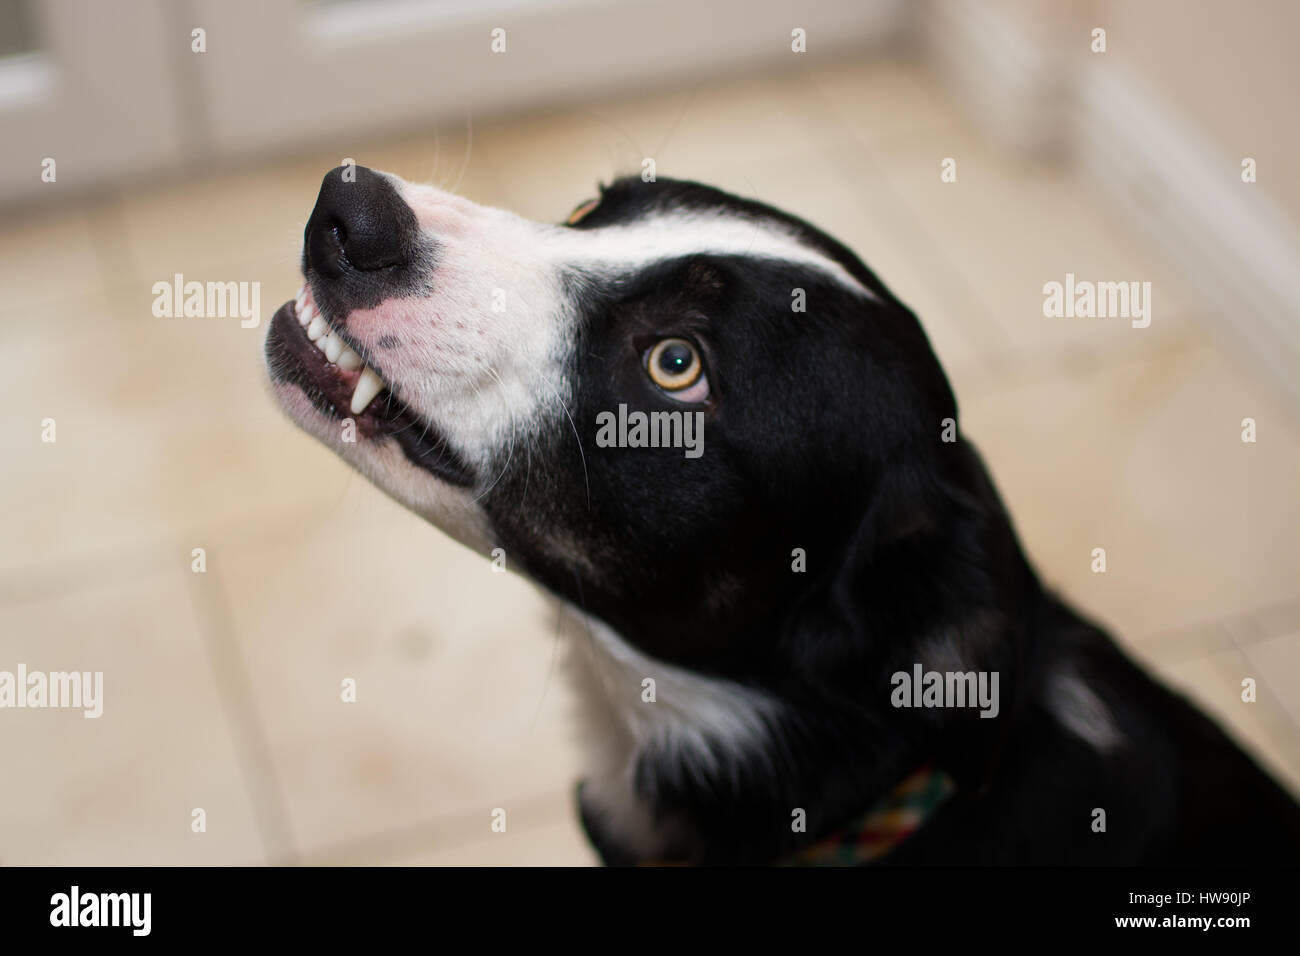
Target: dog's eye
[676,367]
[581,212]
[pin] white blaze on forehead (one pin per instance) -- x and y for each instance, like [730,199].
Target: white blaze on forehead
[665,236]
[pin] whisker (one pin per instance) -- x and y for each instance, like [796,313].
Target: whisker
[572,426]
[469,148]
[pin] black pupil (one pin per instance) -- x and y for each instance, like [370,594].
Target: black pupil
[676,359]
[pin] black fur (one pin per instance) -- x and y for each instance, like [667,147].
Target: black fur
[824,433]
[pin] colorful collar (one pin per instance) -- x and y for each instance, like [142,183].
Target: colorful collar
[891,821]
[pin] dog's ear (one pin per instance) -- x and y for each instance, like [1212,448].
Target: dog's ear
[898,333]
[931,556]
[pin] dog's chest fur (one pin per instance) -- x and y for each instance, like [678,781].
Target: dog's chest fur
[631,704]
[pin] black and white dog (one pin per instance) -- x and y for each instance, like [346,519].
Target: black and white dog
[808,629]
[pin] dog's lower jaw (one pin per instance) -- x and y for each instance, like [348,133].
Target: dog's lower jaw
[453,510]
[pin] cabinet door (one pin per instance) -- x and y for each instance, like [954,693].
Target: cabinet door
[330,71]
[86,93]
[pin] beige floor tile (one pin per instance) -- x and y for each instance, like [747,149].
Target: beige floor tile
[44,259]
[1214,683]
[549,163]
[874,221]
[1057,229]
[120,789]
[460,706]
[539,831]
[880,100]
[56,320]
[214,228]
[1178,646]
[1277,662]
[165,428]
[1145,460]
[719,121]
[1271,621]
[867,217]
[556,844]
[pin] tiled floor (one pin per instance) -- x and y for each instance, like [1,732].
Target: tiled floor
[223,688]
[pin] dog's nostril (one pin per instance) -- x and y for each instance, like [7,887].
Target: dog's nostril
[360,223]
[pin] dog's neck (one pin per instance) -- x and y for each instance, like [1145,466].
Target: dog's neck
[659,751]
[636,709]
[710,768]
[867,839]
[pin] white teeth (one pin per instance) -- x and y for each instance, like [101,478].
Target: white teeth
[368,386]
[333,346]
[337,351]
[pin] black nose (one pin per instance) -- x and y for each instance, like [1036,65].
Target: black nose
[360,223]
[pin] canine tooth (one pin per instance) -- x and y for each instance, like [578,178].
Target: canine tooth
[368,386]
[318,328]
[348,359]
[333,347]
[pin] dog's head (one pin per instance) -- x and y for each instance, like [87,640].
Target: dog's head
[696,418]
[495,375]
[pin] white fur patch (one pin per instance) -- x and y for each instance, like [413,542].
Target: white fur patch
[1082,712]
[671,236]
[703,723]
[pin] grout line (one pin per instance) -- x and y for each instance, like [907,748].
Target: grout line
[117,265]
[936,254]
[956,280]
[396,844]
[1277,727]
[238,698]
[1226,628]
[61,576]
[1243,649]
[1006,371]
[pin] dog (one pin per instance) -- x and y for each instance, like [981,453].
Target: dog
[806,629]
